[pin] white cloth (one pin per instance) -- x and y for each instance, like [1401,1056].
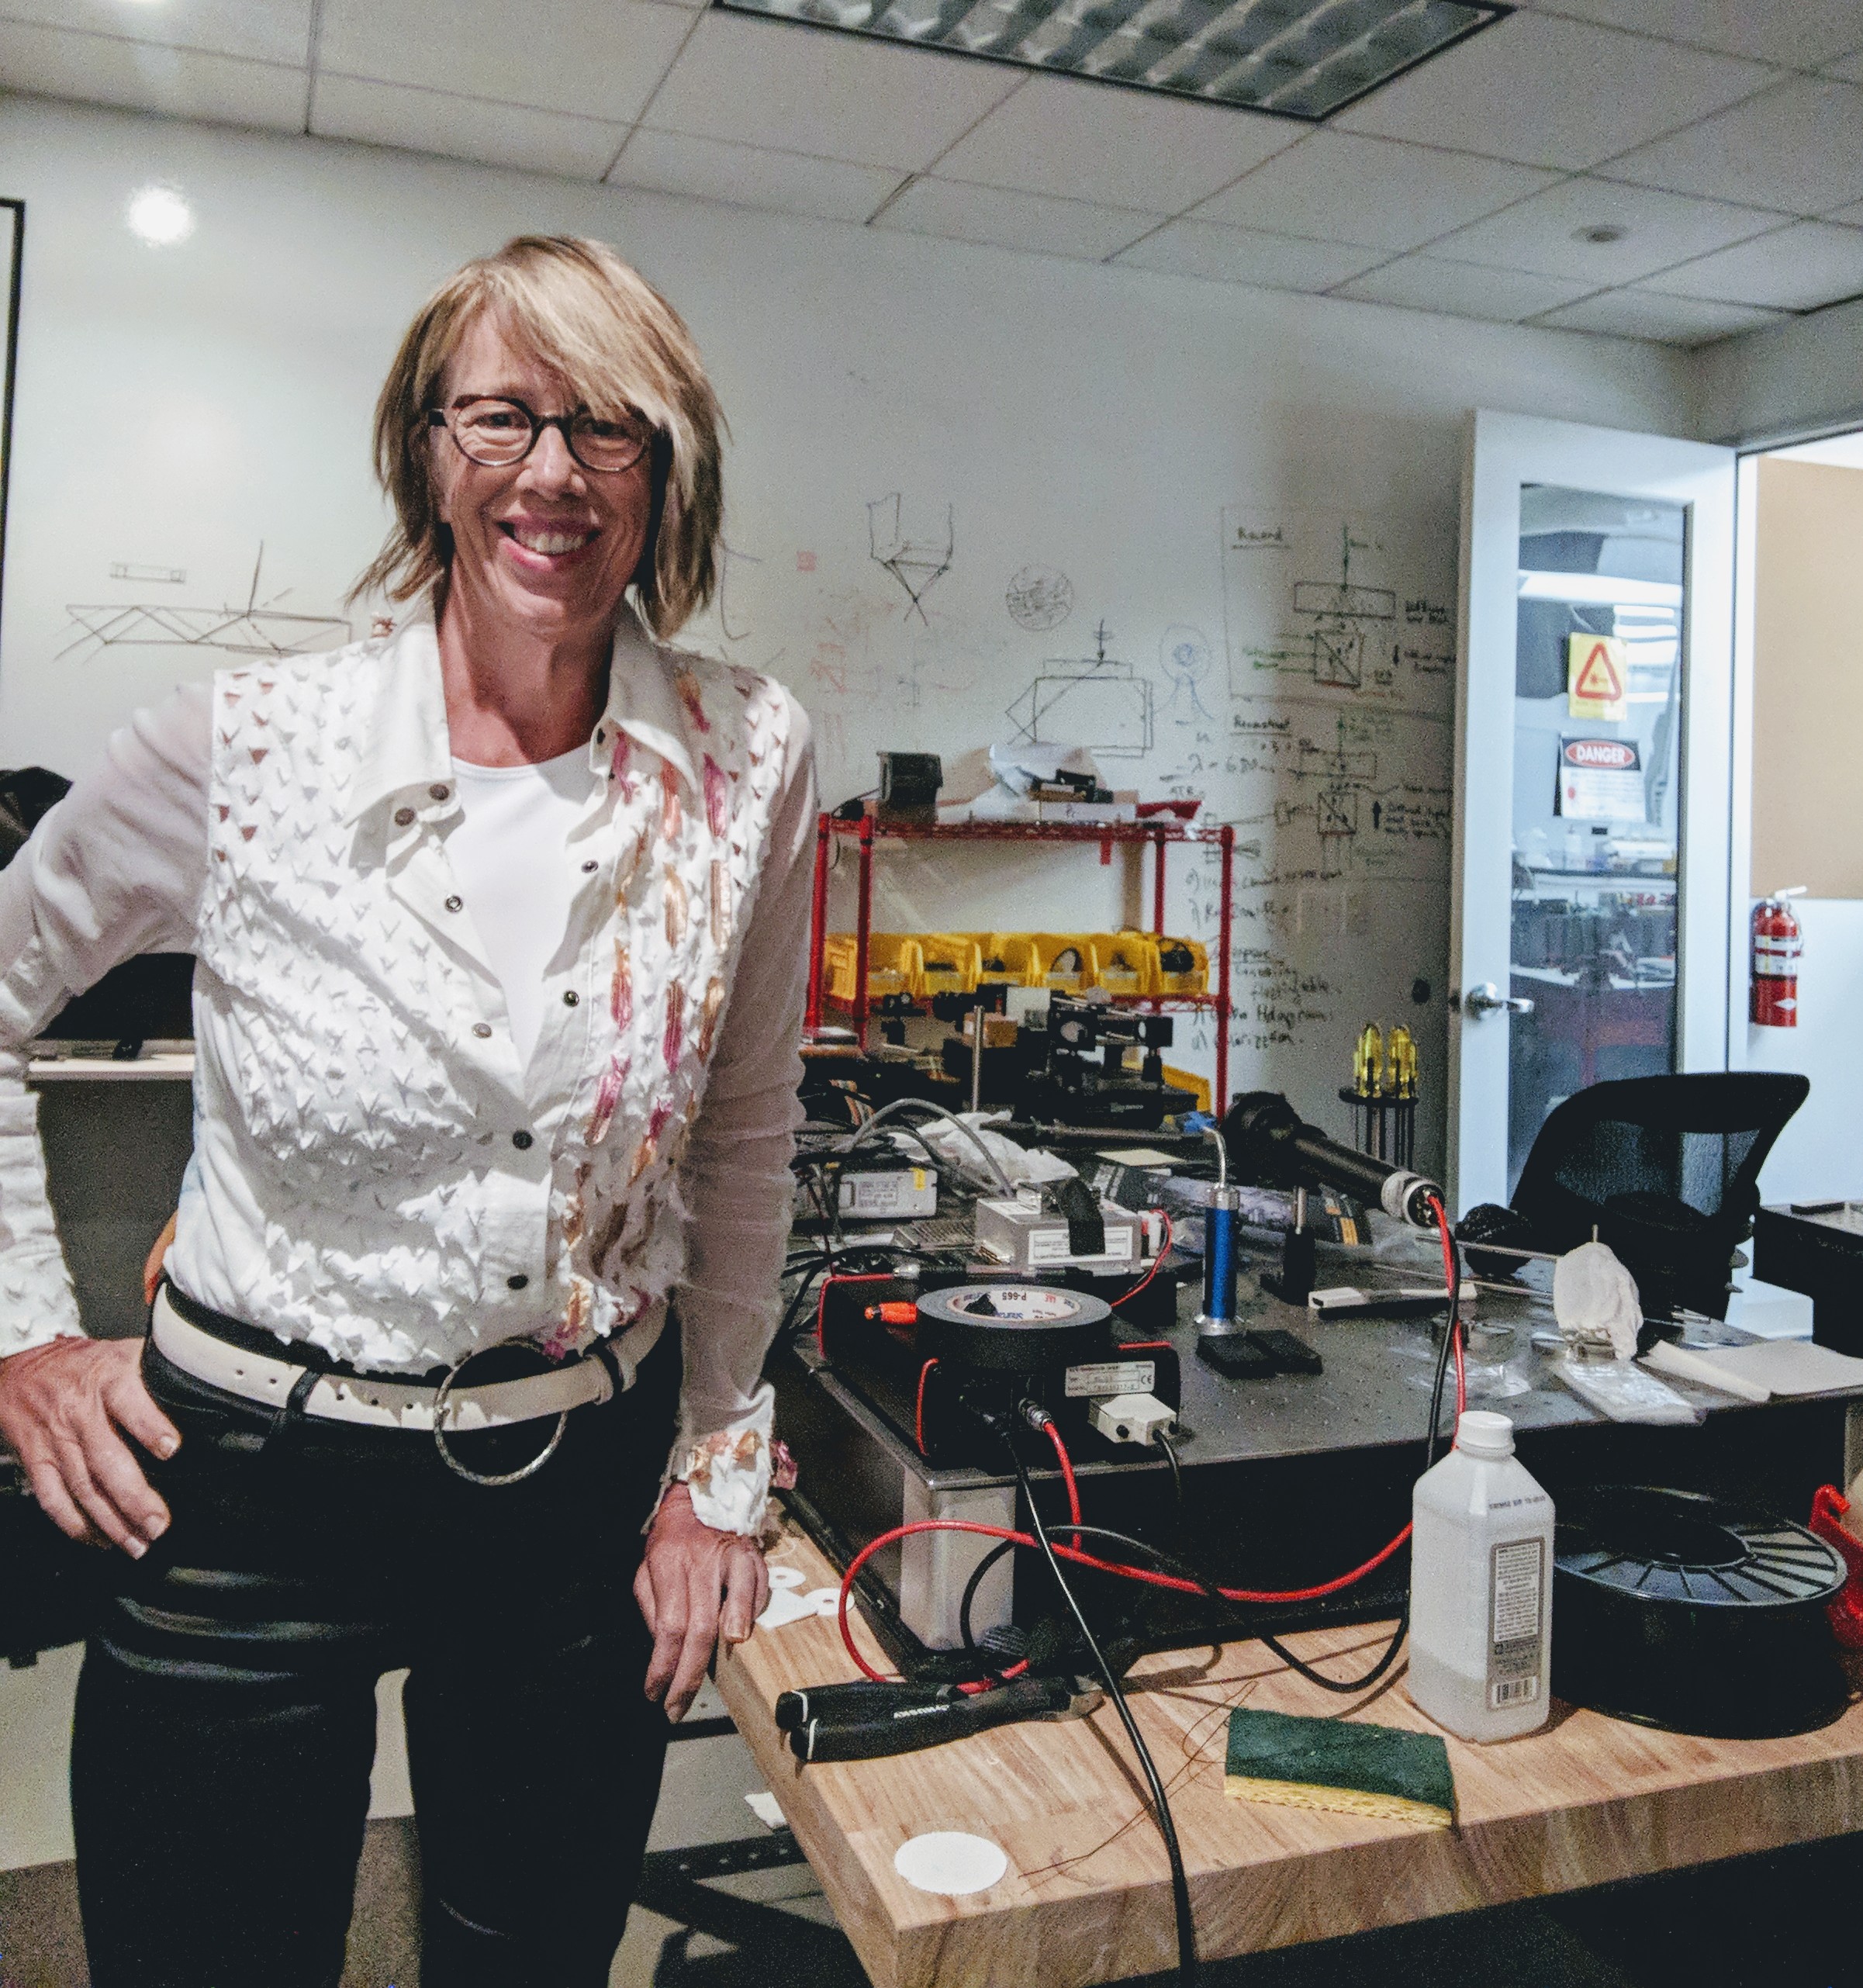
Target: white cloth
[359,1180]
[509,852]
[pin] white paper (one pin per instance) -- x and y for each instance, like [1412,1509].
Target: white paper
[950,1863]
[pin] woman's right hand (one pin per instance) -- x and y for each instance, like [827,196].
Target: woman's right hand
[62,1407]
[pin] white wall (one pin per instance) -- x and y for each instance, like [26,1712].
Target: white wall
[176,405]
[1790,379]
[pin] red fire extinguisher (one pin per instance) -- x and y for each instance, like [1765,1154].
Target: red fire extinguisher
[1777,939]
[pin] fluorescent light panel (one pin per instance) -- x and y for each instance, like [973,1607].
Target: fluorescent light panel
[1299,58]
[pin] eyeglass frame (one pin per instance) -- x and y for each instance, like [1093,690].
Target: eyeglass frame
[441,417]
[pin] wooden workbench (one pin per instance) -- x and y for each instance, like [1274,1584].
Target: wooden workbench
[1086,1899]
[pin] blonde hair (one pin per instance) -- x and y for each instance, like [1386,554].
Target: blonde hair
[619,346]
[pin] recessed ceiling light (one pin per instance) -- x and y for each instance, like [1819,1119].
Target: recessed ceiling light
[160,216]
[1601,233]
[1298,58]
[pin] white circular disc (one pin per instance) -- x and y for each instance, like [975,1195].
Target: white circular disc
[823,1601]
[786,1577]
[948,1861]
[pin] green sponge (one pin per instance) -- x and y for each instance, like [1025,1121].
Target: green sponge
[1340,1763]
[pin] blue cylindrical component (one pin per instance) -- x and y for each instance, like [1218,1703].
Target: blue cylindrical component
[1220,1262]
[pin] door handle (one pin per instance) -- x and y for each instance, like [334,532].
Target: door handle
[1488,999]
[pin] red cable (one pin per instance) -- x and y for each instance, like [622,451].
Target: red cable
[1066,1463]
[1449,1284]
[1164,1251]
[1145,1574]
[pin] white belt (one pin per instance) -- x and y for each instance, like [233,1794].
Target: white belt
[383,1404]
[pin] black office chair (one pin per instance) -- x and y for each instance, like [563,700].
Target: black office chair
[1663,1169]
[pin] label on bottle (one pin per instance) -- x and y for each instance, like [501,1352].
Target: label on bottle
[1517,1600]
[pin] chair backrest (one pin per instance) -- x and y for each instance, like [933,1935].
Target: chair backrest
[1666,1168]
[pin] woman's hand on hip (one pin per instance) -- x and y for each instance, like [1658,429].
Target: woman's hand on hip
[696,1586]
[63,1408]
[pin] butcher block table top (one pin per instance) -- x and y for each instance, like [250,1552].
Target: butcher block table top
[1086,1898]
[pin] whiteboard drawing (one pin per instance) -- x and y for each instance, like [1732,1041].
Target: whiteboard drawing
[918,563]
[255,629]
[1095,701]
[1320,598]
[127,569]
[1183,656]
[1039,598]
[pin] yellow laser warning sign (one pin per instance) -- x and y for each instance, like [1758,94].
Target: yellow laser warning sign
[1596,677]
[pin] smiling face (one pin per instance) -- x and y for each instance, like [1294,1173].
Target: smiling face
[543,547]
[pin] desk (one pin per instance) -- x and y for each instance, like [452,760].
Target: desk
[1585,1801]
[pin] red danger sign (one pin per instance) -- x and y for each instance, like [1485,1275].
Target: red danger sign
[1609,755]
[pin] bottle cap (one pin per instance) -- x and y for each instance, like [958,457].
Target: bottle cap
[1481,1433]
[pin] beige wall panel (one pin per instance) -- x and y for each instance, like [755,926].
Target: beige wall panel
[1808,680]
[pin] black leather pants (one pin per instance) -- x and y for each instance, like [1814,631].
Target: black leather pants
[226,1714]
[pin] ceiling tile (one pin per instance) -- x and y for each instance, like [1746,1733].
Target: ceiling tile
[266,30]
[492,134]
[1091,141]
[1794,268]
[175,82]
[1010,220]
[1338,186]
[798,89]
[1459,289]
[595,61]
[1798,147]
[1543,233]
[1546,91]
[750,176]
[1801,33]
[1247,255]
[1673,320]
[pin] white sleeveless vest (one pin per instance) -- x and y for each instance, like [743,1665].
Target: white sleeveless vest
[401,1197]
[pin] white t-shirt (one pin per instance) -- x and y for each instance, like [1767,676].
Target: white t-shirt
[508,854]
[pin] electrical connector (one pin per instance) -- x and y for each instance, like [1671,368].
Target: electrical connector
[1131,1418]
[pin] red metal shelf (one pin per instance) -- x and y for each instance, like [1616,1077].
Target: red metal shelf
[1164,830]
[1161,832]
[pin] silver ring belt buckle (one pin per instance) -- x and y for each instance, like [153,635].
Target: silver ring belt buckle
[493,1479]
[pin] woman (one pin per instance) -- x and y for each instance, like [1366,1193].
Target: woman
[498,924]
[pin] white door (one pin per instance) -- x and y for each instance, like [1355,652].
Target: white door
[1588,931]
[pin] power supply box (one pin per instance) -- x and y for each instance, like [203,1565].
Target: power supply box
[1028,1237]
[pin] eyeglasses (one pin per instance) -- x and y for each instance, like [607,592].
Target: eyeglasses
[498,433]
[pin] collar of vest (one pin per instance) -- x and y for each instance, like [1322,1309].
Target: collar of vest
[408,747]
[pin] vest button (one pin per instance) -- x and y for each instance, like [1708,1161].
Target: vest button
[439,794]
[518,1282]
[523,1141]
[481,1029]
[403,817]
[455,903]
[570,998]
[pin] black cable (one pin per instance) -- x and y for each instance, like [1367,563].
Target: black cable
[1344,1686]
[1165,1444]
[1161,1807]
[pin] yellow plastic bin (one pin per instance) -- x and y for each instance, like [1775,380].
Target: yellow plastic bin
[948,963]
[1006,958]
[1125,962]
[1064,960]
[1176,974]
[894,965]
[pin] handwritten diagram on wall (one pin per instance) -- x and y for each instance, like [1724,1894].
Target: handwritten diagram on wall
[1331,752]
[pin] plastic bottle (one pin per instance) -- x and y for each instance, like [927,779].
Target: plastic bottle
[1481,1587]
